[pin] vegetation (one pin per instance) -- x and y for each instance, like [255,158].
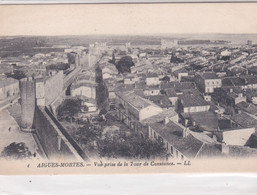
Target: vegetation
[68,109]
[133,146]
[124,64]
[16,151]
[61,66]
[101,90]
[176,60]
[17,74]
[88,133]
[71,58]
[165,79]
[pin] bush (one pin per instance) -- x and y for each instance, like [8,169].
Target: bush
[16,151]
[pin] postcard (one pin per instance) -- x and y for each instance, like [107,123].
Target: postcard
[128,88]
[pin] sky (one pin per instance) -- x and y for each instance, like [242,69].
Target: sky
[127,19]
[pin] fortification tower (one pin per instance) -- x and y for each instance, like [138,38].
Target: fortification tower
[28,97]
[77,60]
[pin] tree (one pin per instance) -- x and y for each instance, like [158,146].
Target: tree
[16,151]
[71,58]
[17,74]
[68,108]
[133,146]
[165,79]
[175,59]
[225,58]
[88,133]
[124,64]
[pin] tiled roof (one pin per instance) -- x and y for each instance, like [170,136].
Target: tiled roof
[191,99]
[250,108]
[233,81]
[181,70]
[171,92]
[209,75]
[160,100]
[210,151]
[135,100]
[151,75]
[244,120]
[171,132]
[206,120]
[160,117]
[178,86]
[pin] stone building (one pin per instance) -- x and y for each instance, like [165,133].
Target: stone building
[9,87]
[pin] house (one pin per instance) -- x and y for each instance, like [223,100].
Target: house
[181,73]
[251,82]
[132,109]
[152,79]
[178,86]
[130,79]
[166,114]
[88,105]
[235,136]
[229,96]
[177,140]
[160,100]
[207,82]
[85,85]
[9,87]
[108,72]
[151,90]
[247,107]
[244,82]
[190,102]
[243,119]
[200,121]
[172,95]
[252,96]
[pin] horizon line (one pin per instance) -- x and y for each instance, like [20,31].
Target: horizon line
[146,34]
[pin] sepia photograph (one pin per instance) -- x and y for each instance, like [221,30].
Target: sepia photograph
[128,88]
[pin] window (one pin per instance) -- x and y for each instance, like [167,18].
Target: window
[154,135]
[167,145]
[176,154]
[182,157]
[171,150]
[160,139]
[212,82]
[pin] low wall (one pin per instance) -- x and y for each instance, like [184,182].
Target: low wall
[55,141]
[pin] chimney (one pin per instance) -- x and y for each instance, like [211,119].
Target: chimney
[224,148]
[185,132]
[240,95]
[231,90]
[166,120]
